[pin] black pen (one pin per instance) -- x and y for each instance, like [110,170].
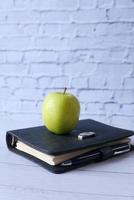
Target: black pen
[92,156]
[81,159]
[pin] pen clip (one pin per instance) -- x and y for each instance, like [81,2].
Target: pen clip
[118,150]
[66,163]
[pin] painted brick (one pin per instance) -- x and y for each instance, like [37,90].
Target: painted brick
[124,4]
[2,107]
[2,81]
[86,29]
[82,108]
[79,68]
[28,94]
[117,56]
[129,83]
[23,16]
[101,56]
[6,4]
[95,15]
[39,105]
[66,57]
[60,82]
[113,42]
[60,30]
[115,69]
[119,14]
[13,69]
[5,93]
[95,108]
[29,82]
[106,56]
[2,17]
[15,43]
[97,81]
[2,57]
[19,29]
[79,82]
[99,42]
[10,106]
[29,106]
[48,5]
[111,108]
[22,29]
[45,69]
[81,43]
[124,96]
[30,29]
[127,109]
[35,16]
[44,82]
[114,28]
[21,4]
[130,56]
[10,29]
[55,17]
[105,3]
[99,29]
[40,56]
[14,57]
[13,82]
[123,122]
[82,56]
[25,118]
[114,82]
[95,95]
[84,4]
[47,43]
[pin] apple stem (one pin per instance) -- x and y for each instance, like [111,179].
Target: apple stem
[64,90]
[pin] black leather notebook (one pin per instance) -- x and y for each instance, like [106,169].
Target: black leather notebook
[60,153]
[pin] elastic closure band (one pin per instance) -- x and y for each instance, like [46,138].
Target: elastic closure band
[106,153]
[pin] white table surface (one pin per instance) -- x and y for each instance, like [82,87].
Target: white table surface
[21,179]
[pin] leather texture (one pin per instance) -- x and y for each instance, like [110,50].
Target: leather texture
[41,139]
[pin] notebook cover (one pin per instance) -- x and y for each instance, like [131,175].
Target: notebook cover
[43,140]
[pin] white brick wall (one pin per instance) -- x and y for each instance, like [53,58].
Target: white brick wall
[86,45]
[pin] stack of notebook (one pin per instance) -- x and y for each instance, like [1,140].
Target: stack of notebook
[91,141]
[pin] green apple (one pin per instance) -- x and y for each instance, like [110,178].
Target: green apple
[60,112]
